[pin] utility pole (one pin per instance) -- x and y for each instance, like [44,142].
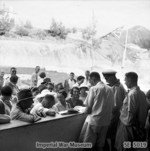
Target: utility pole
[93,28]
[125,50]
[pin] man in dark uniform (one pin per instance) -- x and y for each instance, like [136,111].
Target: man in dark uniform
[119,95]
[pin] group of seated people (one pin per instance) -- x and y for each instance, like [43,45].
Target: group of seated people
[45,99]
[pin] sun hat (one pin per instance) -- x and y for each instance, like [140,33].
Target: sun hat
[24,94]
[83,85]
[43,93]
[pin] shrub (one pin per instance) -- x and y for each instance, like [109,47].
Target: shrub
[38,33]
[6,23]
[22,31]
[58,30]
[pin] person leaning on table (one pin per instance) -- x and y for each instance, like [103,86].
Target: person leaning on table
[21,110]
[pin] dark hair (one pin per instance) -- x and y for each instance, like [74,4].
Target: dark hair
[47,80]
[80,78]
[6,91]
[34,89]
[12,68]
[87,71]
[49,102]
[96,75]
[14,79]
[63,92]
[2,108]
[71,73]
[24,94]
[73,89]
[133,76]
[41,87]
[42,74]
[61,86]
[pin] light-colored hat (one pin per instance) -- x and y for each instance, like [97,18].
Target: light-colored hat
[83,85]
[43,93]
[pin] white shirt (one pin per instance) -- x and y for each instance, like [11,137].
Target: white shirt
[100,101]
[71,83]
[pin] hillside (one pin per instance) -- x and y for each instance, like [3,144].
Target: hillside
[78,55]
[137,35]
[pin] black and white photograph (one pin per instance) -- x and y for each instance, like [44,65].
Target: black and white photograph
[74,75]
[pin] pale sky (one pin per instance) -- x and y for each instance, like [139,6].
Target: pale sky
[109,14]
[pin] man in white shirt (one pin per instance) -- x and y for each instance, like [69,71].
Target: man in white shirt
[13,72]
[99,104]
[68,85]
[34,77]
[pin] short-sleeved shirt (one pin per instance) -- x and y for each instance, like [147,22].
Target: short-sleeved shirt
[100,101]
[59,107]
[135,104]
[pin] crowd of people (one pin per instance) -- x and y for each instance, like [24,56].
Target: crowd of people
[117,119]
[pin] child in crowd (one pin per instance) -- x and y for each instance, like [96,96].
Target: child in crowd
[61,105]
[21,110]
[44,107]
[4,118]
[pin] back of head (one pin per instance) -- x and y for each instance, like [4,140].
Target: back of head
[80,78]
[95,75]
[14,79]
[48,101]
[24,94]
[42,75]
[47,80]
[34,89]
[133,76]
[6,91]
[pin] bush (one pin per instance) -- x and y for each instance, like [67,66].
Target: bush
[6,23]
[40,34]
[58,30]
[22,31]
[88,33]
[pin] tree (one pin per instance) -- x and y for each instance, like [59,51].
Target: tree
[28,25]
[6,23]
[57,29]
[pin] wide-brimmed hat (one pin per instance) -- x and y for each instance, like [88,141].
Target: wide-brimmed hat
[83,85]
[43,93]
[24,94]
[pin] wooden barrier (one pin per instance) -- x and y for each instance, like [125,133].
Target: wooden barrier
[22,136]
